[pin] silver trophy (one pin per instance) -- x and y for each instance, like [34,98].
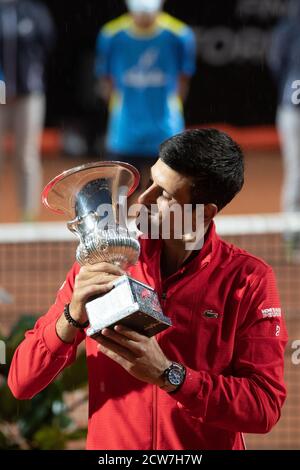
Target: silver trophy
[93,197]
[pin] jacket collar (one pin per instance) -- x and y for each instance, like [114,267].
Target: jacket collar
[151,250]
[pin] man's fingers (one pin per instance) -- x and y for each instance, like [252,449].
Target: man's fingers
[137,348]
[130,334]
[87,270]
[110,348]
[86,292]
[99,279]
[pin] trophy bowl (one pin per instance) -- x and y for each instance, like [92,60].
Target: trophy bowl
[94,199]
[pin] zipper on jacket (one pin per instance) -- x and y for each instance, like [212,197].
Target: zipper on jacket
[163,298]
[154,419]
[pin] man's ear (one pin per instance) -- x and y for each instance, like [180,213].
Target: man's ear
[210,211]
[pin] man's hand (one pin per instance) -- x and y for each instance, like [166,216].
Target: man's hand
[140,356]
[92,280]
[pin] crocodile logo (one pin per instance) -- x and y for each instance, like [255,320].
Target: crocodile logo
[210,314]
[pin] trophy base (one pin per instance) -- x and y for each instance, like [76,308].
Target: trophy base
[130,303]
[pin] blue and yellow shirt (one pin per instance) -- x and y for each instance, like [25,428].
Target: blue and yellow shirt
[145,108]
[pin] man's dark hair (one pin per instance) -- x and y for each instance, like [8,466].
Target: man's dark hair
[213,161]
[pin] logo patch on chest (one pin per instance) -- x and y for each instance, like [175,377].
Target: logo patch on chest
[210,314]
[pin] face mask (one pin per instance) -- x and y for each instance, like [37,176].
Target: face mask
[144,6]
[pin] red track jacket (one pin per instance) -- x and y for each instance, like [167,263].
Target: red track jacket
[234,358]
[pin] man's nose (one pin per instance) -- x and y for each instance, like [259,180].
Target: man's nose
[148,196]
[142,197]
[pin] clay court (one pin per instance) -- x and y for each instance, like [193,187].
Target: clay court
[261,193]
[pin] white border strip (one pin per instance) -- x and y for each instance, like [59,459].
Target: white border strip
[252,224]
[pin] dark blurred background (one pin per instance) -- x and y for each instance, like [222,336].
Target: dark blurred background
[232,83]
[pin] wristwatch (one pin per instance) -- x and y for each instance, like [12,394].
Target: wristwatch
[174,377]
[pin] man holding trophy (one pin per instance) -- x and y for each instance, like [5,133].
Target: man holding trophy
[184,334]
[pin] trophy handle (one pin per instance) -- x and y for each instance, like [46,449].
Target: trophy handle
[83,226]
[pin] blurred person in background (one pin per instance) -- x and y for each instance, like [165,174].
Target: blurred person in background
[27,36]
[284,62]
[144,62]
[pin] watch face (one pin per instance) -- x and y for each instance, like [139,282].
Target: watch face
[175,376]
